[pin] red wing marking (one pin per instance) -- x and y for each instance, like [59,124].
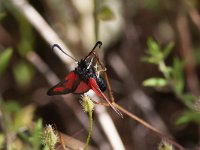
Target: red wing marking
[66,86]
[81,88]
[72,77]
[92,83]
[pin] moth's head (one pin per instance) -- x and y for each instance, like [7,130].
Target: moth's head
[82,64]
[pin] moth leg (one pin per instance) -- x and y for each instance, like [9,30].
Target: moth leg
[101,103]
[98,71]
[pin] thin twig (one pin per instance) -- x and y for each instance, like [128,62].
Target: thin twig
[159,133]
[139,96]
[148,126]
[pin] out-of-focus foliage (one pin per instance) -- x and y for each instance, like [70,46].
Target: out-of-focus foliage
[172,78]
[16,117]
[155,82]
[188,116]
[105,14]
[152,4]
[36,136]
[155,54]
[2,15]
[177,76]
[33,137]
[4,59]
[26,41]
[2,140]
[17,126]
[23,73]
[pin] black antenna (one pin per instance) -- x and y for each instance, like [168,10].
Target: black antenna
[56,45]
[98,43]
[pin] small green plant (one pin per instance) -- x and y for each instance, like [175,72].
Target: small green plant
[88,106]
[164,145]
[49,138]
[173,78]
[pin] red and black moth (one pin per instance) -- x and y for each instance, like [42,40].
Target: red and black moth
[82,79]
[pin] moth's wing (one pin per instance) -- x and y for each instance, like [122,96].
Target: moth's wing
[93,85]
[69,85]
[82,87]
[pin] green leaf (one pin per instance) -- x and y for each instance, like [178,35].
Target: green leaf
[34,136]
[178,86]
[106,14]
[154,52]
[153,47]
[36,139]
[188,116]
[4,59]
[151,60]
[23,73]
[166,70]
[177,75]
[155,82]
[167,50]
